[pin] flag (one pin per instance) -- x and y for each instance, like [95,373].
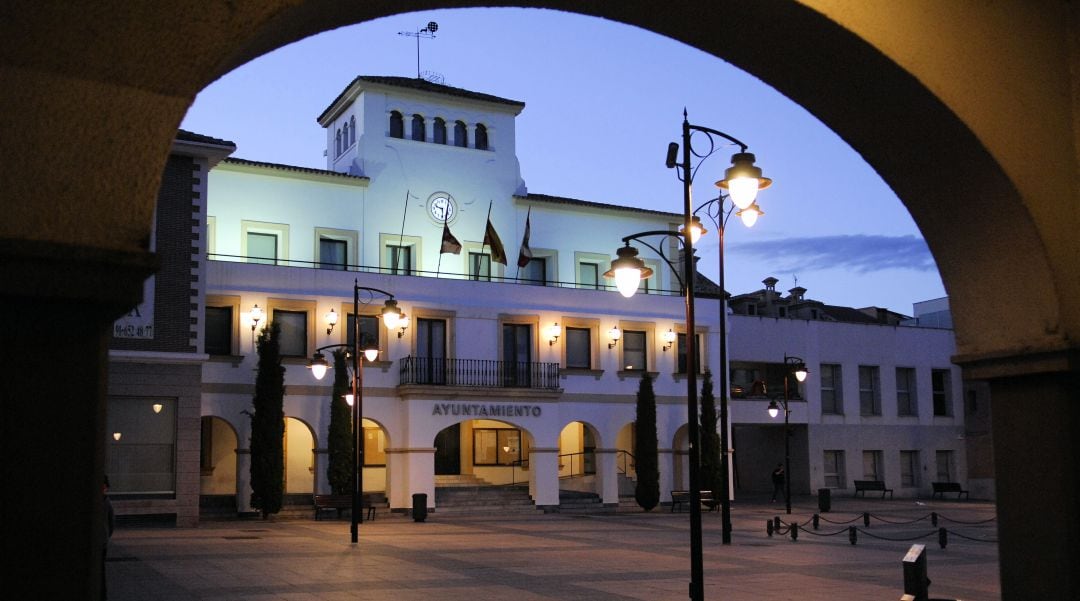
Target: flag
[450,244]
[491,238]
[525,255]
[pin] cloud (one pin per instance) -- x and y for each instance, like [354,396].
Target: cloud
[860,253]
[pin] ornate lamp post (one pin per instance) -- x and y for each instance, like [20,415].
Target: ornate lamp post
[792,365]
[742,181]
[391,316]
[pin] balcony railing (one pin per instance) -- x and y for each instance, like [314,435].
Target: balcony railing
[478,373]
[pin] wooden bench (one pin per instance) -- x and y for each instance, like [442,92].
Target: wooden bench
[940,488]
[679,497]
[861,486]
[339,502]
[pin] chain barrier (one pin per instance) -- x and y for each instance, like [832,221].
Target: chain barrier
[782,528]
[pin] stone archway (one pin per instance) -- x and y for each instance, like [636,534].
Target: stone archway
[929,93]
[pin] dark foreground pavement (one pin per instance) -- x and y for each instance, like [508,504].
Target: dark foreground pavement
[626,556]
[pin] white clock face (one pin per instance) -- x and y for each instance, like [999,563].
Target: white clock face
[442,208]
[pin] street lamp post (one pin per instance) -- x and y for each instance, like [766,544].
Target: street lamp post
[798,367]
[391,316]
[742,180]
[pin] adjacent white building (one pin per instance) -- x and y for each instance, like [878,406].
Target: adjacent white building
[506,374]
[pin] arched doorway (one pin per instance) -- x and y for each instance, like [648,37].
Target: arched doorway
[300,466]
[578,463]
[376,441]
[482,452]
[217,467]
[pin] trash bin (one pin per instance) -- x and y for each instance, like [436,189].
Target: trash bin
[824,499]
[419,507]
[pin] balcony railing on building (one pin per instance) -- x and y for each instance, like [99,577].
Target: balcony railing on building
[478,373]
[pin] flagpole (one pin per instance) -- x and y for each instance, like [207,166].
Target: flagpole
[483,245]
[401,236]
[445,215]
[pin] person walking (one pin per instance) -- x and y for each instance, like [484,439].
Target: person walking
[778,481]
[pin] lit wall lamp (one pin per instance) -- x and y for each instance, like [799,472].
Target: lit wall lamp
[403,323]
[257,315]
[157,407]
[116,436]
[669,339]
[554,331]
[615,334]
[331,321]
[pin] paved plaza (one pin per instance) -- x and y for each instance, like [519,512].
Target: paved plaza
[620,557]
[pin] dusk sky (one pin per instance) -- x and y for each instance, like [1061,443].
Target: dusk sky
[603,100]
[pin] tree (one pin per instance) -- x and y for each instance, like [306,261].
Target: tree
[268,425]
[647,492]
[711,457]
[340,439]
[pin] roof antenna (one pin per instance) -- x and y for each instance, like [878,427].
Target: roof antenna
[427,32]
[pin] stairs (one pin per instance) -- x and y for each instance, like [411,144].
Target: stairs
[461,498]
[459,481]
[575,502]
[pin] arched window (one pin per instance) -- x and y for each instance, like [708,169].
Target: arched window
[337,145]
[397,125]
[345,137]
[418,127]
[481,137]
[439,132]
[461,135]
[352,131]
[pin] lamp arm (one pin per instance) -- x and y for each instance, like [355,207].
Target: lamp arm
[717,203]
[708,131]
[371,291]
[666,234]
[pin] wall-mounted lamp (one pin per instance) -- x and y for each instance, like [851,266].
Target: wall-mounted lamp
[116,436]
[257,315]
[615,334]
[403,323]
[331,321]
[157,407]
[349,399]
[669,339]
[553,332]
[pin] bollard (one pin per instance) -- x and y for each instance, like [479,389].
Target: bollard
[795,532]
[816,523]
[916,583]
[776,523]
[933,519]
[852,534]
[942,537]
[768,528]
[866,519]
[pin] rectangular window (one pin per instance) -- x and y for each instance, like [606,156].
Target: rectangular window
[578,348]
[293,332]
[944,460]
[909,469]
[832,397]
[872,467]
[400,259]
[219,328]
[374,447]
[480,266]
[262,248]
[143,460]
[588,275]
[333,254]
[517,354]
[869,390]
[431,351]
[834,470]
[634,355]
[535,272]
[369,331]
[496,446]
[906,399]
[942,391]
[680,366]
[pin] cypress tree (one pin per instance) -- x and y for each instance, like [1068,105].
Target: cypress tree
[711,477]
[268,425]
[340,439]
[647,492]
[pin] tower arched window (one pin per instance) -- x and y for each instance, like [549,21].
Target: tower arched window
[397,125]
[481,137]
[352,131]
[337,144]
[345,136]
[439,131]
[461,135]
[418,127]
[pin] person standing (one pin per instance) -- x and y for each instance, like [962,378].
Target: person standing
[778,481]
[110,525]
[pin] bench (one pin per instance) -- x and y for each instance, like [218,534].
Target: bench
[679,497]
[940,488]
[861,486]
[339,502]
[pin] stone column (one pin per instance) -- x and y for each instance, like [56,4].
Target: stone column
[607,473]
[544,476]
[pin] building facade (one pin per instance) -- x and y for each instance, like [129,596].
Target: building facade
[517,374]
